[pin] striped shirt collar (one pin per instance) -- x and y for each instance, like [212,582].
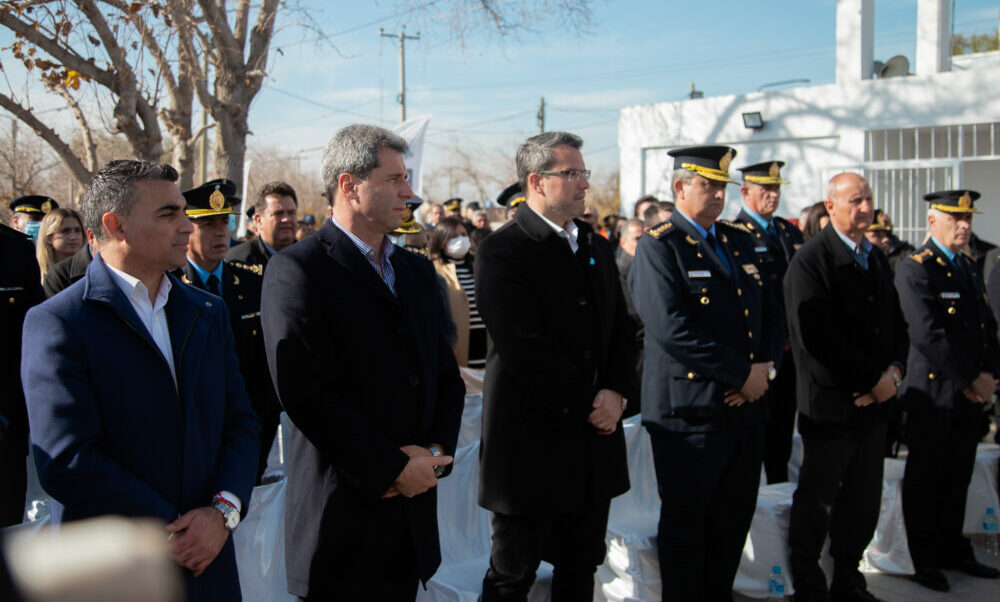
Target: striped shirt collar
[385,271]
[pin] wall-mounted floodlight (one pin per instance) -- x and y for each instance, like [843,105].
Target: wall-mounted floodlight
[753,121]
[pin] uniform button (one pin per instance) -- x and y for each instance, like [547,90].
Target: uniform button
[749,335]
[930,376]
[951,311]
[704,301]
[736,253]
[583,302]
[746,312]
[948,274]
[690,374]
[254,332]
[739,292]
[704,290]
[240,297]
[414,380]
[698,255]
[751,356]
[11,300]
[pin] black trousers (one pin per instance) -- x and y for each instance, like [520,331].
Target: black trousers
[13,478]
[840,492]
[781,423]
[708,493]
[573,544]
[942,455]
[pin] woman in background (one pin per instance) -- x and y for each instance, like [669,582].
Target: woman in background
[59,236]
[449,250]
[816,218]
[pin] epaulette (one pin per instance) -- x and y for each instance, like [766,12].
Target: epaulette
[421,251]
[921,256]
[256,268]
[736,225]
[660,230]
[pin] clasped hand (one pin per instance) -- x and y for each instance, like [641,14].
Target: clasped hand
[755,386]
[197,538]
[607,411]
[418,474]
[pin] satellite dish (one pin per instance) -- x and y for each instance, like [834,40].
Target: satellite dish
[897,66]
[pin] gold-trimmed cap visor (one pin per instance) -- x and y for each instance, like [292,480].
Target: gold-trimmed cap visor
[33,203]
[409,223]
[768,172]
[215,197]
[511,196]
[953,201]
[711,162]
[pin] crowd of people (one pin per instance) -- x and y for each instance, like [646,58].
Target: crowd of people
[158,353]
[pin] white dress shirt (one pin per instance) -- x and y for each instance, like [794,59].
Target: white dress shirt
[569,234]
[152,315]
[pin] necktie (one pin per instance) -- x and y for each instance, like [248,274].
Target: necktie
[712,242]
[770,232]
[213,285]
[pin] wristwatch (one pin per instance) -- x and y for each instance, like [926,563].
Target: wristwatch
[229,513]
[771,373]
[624,403]
[436,451]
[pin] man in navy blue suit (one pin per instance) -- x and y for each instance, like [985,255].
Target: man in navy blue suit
[136,405]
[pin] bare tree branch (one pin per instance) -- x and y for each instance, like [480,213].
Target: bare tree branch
[63,150]
[89,146]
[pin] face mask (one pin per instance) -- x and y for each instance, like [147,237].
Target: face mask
[31,229]
[398,239]
[458,247]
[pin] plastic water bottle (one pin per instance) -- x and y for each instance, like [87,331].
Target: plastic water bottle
[776,585]
[992,531]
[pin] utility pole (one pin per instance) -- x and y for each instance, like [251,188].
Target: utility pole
[541,116]
[402,37]
[204,129]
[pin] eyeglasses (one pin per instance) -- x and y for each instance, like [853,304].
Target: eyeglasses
[571,174]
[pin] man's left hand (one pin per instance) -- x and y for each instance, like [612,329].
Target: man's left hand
[198,537]
[607,411]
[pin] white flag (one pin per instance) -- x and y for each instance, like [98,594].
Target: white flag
[413,130]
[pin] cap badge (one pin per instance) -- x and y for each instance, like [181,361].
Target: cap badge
[46,206]
[725,161]
[965,201]
[775,171]
[407,215]
[217,200]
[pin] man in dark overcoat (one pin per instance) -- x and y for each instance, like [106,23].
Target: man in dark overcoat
[849,343]
[355,339]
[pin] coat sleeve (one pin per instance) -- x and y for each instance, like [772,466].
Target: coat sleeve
[301,358]
[237,464]
[65,427]
[659,294]
[511,310]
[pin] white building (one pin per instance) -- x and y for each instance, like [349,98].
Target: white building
[936,129]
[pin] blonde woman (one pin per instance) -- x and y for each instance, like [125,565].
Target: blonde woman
[59,237]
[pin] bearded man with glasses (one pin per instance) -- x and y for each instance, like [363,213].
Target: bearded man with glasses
[558,373]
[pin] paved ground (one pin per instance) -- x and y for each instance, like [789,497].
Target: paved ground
[893,588]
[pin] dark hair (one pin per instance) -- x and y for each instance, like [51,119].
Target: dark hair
[443,232]
[477,236]
[647,198]
[275,188]
[536,155]
[110,190]
[667,205]
[811,227]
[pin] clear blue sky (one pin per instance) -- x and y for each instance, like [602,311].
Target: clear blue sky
[488,91]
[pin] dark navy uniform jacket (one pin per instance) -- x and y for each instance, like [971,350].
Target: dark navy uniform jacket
[953,335]
[251,253]
[773,254]
[705,325]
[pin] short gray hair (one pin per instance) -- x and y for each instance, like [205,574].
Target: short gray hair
[535,154]
[354,150]
[110,190]
[682,175]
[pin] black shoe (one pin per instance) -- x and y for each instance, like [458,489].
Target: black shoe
[852,595]
[933,579]
[971,566]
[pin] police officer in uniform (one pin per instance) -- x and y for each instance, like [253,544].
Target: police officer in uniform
[952,370]
[775,242]
[20,289]
[28,212]
[511,197]
[239,285]
[410,235]
[880,234]
[708,313]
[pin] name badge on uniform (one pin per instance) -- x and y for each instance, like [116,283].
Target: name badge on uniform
[251,315]
[750,268]
[760,249]
[951,295]
[699,274]
[6,289]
